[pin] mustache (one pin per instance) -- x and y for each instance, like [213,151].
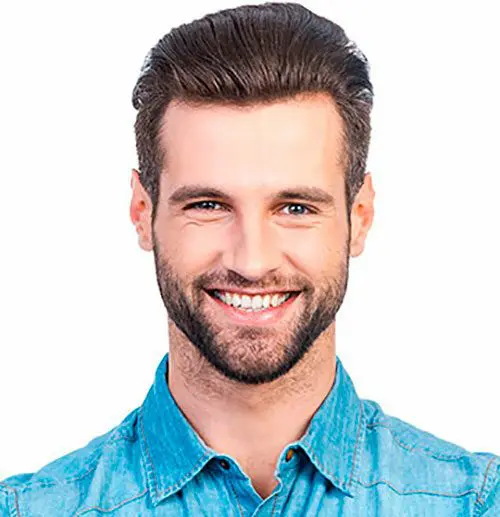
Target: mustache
[232,279]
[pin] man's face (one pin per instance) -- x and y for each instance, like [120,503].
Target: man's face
[252,211]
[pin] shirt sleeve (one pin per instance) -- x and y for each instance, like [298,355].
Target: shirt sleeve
[4,504]
[491,506]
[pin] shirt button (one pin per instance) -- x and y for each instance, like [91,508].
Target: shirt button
[224,464]
[289,454]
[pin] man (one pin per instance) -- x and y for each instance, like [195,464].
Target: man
[252,131]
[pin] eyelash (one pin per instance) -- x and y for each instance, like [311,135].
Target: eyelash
[196,206]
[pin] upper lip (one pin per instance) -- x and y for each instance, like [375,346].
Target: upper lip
[250,292]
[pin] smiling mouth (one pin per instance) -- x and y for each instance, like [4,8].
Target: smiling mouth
[252,303]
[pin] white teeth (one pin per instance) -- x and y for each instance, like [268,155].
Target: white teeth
[246,302]
[252,303]
[235,300]
[257,302]
[275,300]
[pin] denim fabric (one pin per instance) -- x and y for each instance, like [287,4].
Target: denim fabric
[353,460]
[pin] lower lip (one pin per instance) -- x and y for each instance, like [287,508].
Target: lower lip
[263,317]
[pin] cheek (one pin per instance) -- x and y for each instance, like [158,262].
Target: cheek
[195,246]
[317,251]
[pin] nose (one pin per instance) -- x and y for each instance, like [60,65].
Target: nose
[253,251]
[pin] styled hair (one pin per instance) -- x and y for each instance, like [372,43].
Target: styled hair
[254,54]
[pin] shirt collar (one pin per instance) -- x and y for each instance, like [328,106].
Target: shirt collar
[174,453]
[335,433]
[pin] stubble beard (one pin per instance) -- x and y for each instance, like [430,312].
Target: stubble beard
[246,354]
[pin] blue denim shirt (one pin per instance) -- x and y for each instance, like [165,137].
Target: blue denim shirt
[353,460]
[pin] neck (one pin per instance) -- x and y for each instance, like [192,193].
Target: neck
[251,423]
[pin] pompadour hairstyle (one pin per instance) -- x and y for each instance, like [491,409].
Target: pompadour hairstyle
[249,55]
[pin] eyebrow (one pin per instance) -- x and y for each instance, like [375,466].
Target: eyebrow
[310,194]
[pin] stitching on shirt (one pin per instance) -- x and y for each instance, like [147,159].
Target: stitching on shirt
[356,447]
[337,480]
[186,476]
[7,487]
[33,485]
[178,483]
[141,427]
[274,505]
[401,492]
[427,451]
[480,494]
[236,497]
[106,510]
[356,444]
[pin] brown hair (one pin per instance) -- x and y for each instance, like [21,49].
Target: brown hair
[254,54]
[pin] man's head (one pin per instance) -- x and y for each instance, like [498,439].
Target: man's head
[243,117]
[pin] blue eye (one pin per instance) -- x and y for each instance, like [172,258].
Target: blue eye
[304,207]
[202,205]
[208,205]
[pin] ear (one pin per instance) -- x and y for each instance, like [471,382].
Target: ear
[141,211]
[362,212]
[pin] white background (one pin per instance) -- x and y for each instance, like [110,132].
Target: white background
[82,323]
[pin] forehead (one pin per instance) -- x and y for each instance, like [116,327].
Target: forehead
[289,141]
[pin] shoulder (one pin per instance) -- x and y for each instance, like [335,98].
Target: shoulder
[411,460]
[70,482]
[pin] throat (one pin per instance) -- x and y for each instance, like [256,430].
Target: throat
[264,487]
[262,478]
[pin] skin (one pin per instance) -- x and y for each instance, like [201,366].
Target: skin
[249,391]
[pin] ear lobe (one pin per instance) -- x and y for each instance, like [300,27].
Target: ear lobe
[144,240]
[140,212]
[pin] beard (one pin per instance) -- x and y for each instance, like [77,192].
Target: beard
[246,354]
